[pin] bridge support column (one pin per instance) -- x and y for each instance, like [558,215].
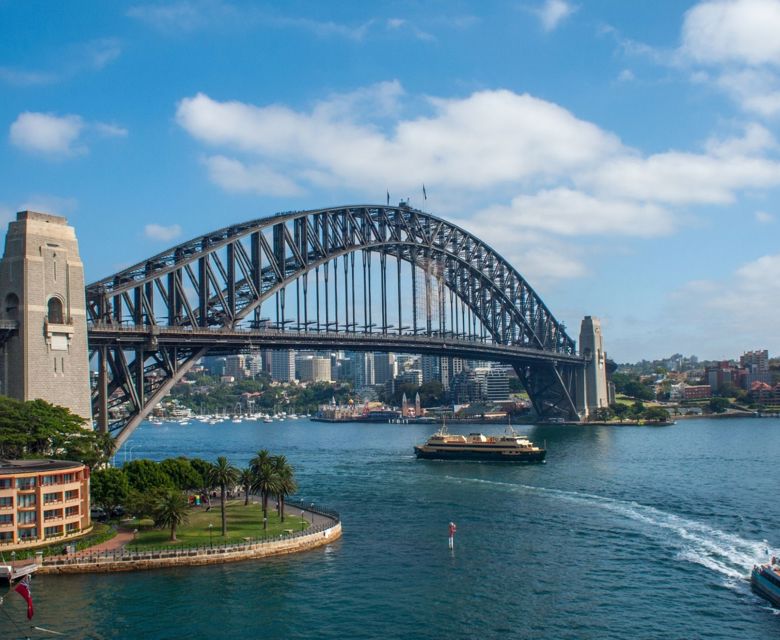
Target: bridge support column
[592,389]
[551,388]
[42,292]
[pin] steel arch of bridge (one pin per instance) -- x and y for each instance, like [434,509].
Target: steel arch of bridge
[150,323]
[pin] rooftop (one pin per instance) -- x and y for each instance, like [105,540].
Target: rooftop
[8,467]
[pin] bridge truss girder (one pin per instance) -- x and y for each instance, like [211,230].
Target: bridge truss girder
[220,280]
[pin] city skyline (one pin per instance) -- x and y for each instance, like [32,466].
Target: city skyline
[622,158]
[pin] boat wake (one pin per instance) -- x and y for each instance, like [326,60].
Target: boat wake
[726,554]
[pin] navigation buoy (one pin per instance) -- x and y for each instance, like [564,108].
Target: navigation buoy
[451,539]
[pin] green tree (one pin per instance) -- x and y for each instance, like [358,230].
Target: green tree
[265,479]
[108,488]
[223,475]
[246,478]
[620,410]
[203,468]
[719,405]
[285,481]
[170,510]
[656,414]
[602,414]
[181,473]
[146,475]
[636,410]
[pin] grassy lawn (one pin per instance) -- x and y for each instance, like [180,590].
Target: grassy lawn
[242,522]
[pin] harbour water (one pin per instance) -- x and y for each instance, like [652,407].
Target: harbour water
[625,532]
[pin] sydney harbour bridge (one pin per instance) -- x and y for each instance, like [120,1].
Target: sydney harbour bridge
[340,278]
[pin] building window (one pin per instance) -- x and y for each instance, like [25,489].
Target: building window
[49,498]
[49,532]
[6,502]
[27,534]
[71,511]
[55,311]
[73,494]
[12,306]
[25,483]
[65,478]
[71,527]
[26,517]
[7,518]
[52,514]
[6,483]
[6,536]
[48,480]
[26,501]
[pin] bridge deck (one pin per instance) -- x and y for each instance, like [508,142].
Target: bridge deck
[225,340]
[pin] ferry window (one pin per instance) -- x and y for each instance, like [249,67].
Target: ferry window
[55,311]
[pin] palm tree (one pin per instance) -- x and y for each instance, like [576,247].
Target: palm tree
[285,481]
[224,475]
[170,510]
[246,478]
[265,479]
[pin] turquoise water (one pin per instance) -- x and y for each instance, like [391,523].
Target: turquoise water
[626,532]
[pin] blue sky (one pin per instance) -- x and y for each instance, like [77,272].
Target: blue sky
[622,155]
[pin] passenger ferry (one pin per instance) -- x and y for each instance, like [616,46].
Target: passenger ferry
[765,580]
[509,447]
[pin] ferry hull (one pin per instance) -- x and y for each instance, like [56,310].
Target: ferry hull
[488,456]
[764,586]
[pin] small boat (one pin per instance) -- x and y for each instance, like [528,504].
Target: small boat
[509,447]
[9,573]
[765,581]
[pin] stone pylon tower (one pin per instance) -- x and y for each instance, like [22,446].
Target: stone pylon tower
[592,391]
[42,294]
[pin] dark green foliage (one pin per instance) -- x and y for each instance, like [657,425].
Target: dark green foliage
[170,509]
[630,385]
[145,475]
[182,474]
[656,414]
[719,405]
[38,429]
[109,488]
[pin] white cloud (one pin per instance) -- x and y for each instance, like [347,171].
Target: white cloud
[522,164]
[181,16]
[47,133]
[733,31]
[109,130]
[626,75]
[763,217]
[553,12]
[164,234]
[233,175]
[56,136]
[572,213]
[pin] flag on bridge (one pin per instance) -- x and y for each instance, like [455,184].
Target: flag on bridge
[425,194]
[388,198]
[23,589]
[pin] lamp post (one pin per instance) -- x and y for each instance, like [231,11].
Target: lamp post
[135,533]
[303,520]
[211,535]
[312,513]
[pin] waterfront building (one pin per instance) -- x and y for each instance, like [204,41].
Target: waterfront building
[283,365]
[362,369]
[696,391]
[311,368]
[41,501]
[410,376]
[385,367]
[436,369]
[756,366]
[235,365]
